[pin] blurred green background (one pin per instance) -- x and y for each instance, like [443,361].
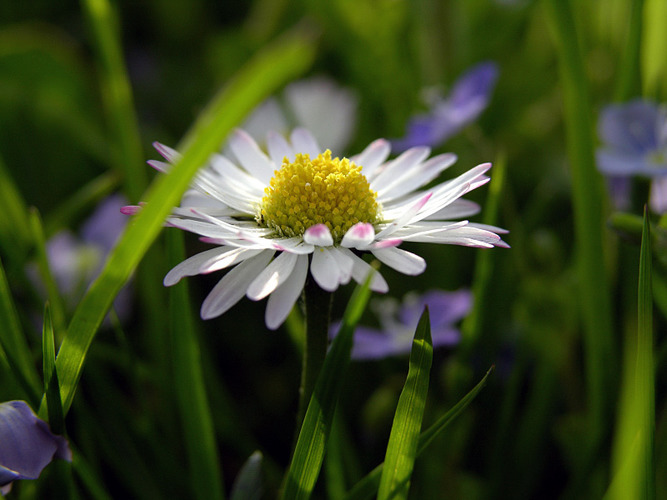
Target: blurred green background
[525,436]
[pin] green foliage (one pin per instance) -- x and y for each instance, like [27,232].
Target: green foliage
[160,404]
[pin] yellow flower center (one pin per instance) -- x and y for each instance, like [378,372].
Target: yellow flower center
[319,191]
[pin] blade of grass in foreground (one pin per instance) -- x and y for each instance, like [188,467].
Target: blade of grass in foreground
[15,346]
[634,454]
[587,202]
[311,444]
[404,438]
[51,386]
[203,463]
[367,487]
[263,74]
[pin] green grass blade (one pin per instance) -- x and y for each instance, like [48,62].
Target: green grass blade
[15,237]
[587,201]
[645,381]
[51,386]
[248,484]
[654,47]
[190,390]
[15,346]
[404,438]
[311,443]
[634,453]
[117,95]
[367,486]
[262,75]
[627,82]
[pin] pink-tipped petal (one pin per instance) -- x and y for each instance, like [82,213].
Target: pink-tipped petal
[359,236]
[169,154]
[130,209]
[318,235]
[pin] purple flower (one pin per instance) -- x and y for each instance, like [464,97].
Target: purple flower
[399,321]
[26,444]
[469,97]
[634,137]
[76,260]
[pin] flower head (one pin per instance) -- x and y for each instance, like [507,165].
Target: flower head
[26,444]
[311,210]
[468,98]
[399,321]
[634,137]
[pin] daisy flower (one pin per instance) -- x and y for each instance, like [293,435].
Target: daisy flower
[274,217]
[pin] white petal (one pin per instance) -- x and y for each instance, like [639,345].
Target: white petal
[207,262]
[272,276]
[457,209]
[303,142]
[251,157]
[318,235]
[403,261]
[325,269]
[345,264]
[169,154]
[160,166]
[405,217]
[232,287]
[282,300]
[360,270]
[359,236]
[417,176]
[372,157]
[395,168]
[278,148]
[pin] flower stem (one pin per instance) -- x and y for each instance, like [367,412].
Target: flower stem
[318,315]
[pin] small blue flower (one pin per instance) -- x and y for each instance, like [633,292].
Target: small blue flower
[634,137]
[469,97]
[399,321]
[26,444]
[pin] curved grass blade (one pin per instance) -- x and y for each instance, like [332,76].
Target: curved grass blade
[311,443]
[117,95]
[634,453]
[595,299]
[404,438]
[15,346]
[199,435]
[51,385]
[262,75]
[367,486]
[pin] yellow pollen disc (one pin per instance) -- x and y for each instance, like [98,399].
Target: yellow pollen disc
[319,191]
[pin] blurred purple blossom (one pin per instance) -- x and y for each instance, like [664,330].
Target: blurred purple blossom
[469,96]
[76,260]
[634,143]
[399,321]
[26,444]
